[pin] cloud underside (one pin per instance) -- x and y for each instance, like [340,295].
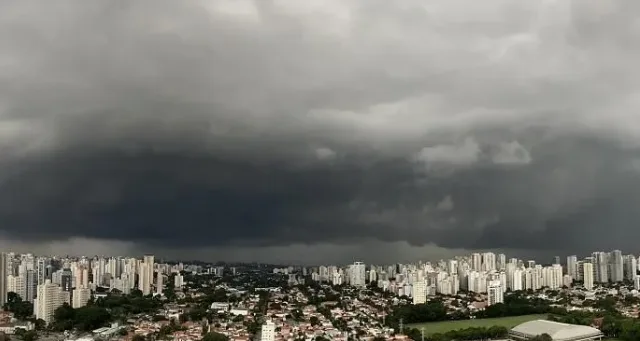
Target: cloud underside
[265,124]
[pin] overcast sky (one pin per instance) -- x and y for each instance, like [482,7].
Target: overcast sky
[319,131]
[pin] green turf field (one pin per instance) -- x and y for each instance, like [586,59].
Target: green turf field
[445,326]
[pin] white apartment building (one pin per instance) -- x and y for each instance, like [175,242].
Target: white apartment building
[178,281]
[488,261]
[144,282]
[476,262]
[358,274]
[268,331]
[495,294]
[630,268]
[50,297]
[572,266]
[81,297]
[516,280]
[17,284]
[159,283]
[588,276]
[419,292]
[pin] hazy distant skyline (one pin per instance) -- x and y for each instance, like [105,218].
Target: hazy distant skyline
[286,130]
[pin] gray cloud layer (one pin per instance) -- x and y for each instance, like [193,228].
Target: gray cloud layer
[264,124]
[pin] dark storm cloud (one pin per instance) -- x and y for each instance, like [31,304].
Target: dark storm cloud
[270,123]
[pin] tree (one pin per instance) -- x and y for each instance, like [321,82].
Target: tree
[138,337]
[213,336]
[30,335]
[20,309]
[314,321]
[40,324]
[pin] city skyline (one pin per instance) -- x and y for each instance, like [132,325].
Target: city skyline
[479,263]
[287,131]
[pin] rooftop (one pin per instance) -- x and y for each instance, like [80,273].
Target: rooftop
[558,331]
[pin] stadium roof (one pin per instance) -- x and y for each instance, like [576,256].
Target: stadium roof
[558,331]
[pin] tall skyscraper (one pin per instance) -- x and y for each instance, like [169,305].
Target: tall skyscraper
[495,294]
[144,282]
[616,266]
[358,274]
[16,284]
[150,262]
[41,268]
[476,262]
[600,267]
[572,267]
[501,263]
[159,283]
[3,279]
[556,260]
[630,268]
[66,280]
[488,261]
[50,297]
[588,276]
[32,285]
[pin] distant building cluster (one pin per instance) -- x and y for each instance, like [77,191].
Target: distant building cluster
[49,282]
[485,273]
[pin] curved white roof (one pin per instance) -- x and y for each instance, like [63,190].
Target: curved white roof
[558,331]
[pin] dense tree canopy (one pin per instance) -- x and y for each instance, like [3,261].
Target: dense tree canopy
[415,313]
[213,336]
[476,333]
[85,319]
[20,309]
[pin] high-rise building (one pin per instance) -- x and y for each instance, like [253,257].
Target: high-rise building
[630,267]
[31,285]
[556,260]
[588,276]
[41,268]
[495,294]
[488,261]
[149,268]
[452,266]
[85,277]
[357,274]
[81,297]
[144,282]
[3,278]
[419,292]
[516,282]
[572,266]
[178,281]
[616,266]
[65,280]
[268,331]
[601,267]
[50,297]
[501,263]
[16,284]
[476,262]
[159,283]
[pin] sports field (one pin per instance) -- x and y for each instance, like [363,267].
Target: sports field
[445,326]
